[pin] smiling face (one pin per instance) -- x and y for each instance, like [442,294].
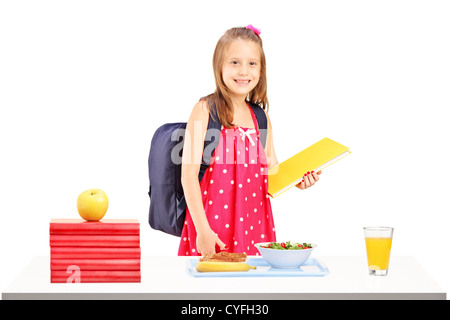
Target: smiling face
[241,67]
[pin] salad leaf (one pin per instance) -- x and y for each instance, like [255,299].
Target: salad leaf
[288,245]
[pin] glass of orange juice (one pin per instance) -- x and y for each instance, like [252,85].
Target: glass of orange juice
[378,246]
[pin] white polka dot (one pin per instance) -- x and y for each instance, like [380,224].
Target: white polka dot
[185,239]
[224,170]
[193,250]
[256,175]
[217,158]
[245,198]
[245,165]
[210,169]
[248,180]
[227,226]
[254,194]
[262,236]
[210,202]
[225,206]
[216,217]
[252,161]
[246,232]
[228,150]
[212,181]
[232,181]
[206,192]
[240,185]
[251,227]
[241,219]
[220,191]
[255,210]
[235,243]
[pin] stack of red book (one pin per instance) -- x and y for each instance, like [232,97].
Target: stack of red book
[95,251]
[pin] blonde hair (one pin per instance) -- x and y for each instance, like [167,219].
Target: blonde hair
[221,97]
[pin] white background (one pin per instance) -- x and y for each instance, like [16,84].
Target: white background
[84,85]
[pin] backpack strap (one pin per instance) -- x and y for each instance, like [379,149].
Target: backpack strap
[211,139]
[262,122]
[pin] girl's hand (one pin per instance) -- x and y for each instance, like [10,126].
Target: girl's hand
[309,179]
[206,242]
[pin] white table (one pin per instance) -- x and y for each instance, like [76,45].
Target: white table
[167,278]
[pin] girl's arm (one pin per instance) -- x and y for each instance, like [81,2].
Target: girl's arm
[192,157]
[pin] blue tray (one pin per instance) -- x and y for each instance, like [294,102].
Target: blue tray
[311,268]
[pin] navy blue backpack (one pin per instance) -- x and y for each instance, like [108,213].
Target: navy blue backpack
[167,204]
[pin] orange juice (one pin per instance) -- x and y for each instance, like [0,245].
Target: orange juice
[378,252]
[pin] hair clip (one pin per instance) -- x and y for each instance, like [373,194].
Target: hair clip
[255,30]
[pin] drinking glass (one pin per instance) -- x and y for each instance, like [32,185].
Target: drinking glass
[378,246]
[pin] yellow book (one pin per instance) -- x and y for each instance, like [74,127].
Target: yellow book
[314,158]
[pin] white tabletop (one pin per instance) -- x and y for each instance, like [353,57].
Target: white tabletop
[167,278]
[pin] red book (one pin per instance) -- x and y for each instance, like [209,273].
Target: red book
[62,240]
[96,264]
[104,226]
[70,276]
[95,252]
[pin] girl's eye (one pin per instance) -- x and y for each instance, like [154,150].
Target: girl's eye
[253,63]
[234,62]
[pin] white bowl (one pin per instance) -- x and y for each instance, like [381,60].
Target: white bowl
[284,258]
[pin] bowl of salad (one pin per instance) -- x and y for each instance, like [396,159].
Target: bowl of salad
[285,254]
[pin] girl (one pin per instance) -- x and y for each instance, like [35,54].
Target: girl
[230,208]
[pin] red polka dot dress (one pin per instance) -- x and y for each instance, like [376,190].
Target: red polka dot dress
[234,194]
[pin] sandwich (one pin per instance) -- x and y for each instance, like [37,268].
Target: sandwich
[222,262]
[225,257]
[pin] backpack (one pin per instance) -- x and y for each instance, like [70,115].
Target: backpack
[167,203]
